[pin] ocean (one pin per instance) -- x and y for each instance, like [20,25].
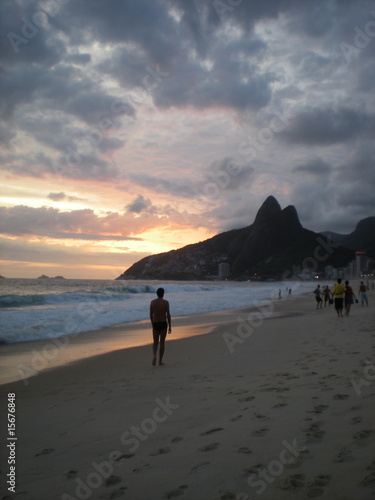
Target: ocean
[37,309]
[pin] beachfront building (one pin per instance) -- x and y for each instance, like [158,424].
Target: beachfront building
[224,270]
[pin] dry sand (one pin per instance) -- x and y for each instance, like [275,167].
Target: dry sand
[272,404]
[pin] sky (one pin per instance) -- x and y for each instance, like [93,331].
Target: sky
[134,127]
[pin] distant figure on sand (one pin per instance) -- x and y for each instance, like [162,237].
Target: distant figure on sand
[327,294]
[349,294]
[161,322]
[319,301]
[338,294]
[363,293]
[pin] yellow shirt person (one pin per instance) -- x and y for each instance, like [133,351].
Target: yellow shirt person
[338,291]
[338,295]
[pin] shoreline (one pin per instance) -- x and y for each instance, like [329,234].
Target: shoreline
[23,360]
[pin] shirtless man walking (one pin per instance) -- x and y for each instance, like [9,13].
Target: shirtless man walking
[161,322]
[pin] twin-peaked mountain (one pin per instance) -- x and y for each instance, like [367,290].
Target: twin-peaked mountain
[274,246]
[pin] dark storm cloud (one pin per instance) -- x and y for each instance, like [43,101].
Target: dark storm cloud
[139,204]
[228,174]
[6,135]
[316,167]
[228,80]
[328,126]
[172,185]
[70,164]
[357,181]
[25,37]
[143,22]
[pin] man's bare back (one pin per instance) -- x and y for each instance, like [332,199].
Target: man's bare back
[159,311]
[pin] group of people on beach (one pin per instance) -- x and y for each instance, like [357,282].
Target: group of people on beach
[341,295]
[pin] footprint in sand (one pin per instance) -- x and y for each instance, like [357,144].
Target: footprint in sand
[210,447]
[140,469]
[196,468]
[288,376]
[319,408]
[234,419]
[344,455]
[236,393]
[112,480]
[321,480]
[314,432]
[368,480]
[211,431]
[261,417]
[260,432]
[177,492]
[122,458]
[291,483]
[244,400]
[362,434]
[44,452]
[177,439]
[118,493]
[275,389]
[71,474]
[330,375]
[245,450]
[254,469]
[356,420]
[160,451]
[280,405]
[340,396]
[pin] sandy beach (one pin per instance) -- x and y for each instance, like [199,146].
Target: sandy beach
[275,402]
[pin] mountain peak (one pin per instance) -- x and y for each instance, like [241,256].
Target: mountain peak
[268,210]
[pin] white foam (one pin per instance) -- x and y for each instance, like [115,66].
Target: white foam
[87,310]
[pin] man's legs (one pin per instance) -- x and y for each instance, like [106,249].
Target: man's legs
[155,334]
[163,334]
[158,334]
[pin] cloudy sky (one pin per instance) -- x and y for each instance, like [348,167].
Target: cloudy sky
[131,127]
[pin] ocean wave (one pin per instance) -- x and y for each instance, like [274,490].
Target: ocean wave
[106,294]
[52,315]
[21,300]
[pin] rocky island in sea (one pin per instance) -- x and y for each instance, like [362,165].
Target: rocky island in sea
[44,277]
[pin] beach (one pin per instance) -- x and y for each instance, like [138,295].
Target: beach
[270,402]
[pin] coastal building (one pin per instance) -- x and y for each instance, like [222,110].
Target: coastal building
[360,263]
[224,270]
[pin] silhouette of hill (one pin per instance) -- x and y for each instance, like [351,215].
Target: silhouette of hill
[274,246]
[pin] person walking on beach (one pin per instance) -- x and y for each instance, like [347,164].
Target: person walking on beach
[319,301]
[161,322]
[363,293]
[327,294]
[349,294]
[338,295]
